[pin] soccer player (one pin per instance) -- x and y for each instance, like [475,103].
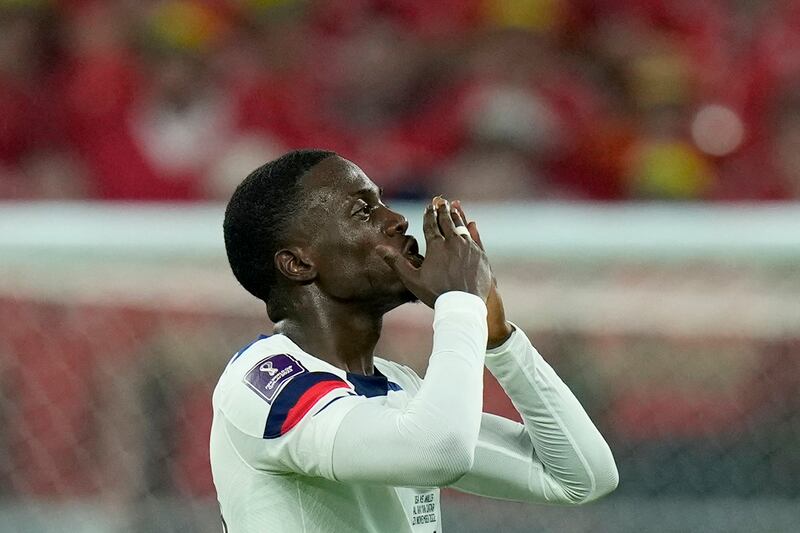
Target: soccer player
[313,432]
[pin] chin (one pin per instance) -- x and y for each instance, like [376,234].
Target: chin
[410,298]
[388,292]
[393,301]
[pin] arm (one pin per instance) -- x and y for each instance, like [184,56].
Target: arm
[557,455]
[429,442]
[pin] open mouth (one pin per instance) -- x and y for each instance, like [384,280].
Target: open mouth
[411,251]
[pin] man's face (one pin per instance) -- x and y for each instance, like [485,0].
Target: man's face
[343,223]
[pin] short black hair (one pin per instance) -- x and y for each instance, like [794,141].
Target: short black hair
[258,215]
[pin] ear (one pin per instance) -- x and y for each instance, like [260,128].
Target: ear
[295,265]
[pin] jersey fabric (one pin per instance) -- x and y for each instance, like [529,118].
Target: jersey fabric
[266,390]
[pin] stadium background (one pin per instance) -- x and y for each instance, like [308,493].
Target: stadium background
[634,165]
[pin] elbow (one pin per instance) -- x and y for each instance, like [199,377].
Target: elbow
[612,482]
[452,456]
[604,485]
[461,457]
[604,481]
[606,478]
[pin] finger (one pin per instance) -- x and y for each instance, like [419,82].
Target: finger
[460,209]
[460,225]
[430,227]
[471,226]
[476,236]
[445,220]
[398,263]
[458,220]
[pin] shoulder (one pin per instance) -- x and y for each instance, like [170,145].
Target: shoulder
[400,374]
[271,385]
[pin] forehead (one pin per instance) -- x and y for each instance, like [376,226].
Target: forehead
[334,179]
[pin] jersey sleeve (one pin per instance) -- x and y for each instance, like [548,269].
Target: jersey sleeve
[281,416]
[430,440]
[557,455]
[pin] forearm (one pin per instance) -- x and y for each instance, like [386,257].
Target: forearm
[430,442]
[499,329]
[570,449]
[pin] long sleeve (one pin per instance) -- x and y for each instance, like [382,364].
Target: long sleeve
[317,426]
[556,456]
[431,441]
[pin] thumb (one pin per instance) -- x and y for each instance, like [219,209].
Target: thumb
[398,262]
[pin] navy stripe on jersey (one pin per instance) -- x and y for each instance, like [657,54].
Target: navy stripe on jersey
[292,395]
[374,385]
[240,352]
[333,400]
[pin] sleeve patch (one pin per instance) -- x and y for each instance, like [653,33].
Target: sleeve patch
[270,375]
[296,400]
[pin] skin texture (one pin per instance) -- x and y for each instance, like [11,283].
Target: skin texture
[347,261]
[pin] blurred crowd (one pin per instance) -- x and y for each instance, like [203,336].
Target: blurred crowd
[479,99]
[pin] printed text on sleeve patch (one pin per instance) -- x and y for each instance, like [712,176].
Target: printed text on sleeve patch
[270,375]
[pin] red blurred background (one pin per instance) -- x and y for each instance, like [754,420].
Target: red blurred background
[566,99]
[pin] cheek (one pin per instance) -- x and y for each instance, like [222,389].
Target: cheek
[345,261]
[355,269]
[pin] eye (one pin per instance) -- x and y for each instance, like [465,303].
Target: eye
[362,209]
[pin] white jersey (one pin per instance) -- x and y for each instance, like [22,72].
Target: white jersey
[299,445]
[268,389]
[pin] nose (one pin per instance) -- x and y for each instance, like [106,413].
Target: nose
[396,224]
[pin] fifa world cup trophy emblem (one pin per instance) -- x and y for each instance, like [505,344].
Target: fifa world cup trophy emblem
[268,368]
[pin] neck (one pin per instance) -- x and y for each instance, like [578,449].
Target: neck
[343,334]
